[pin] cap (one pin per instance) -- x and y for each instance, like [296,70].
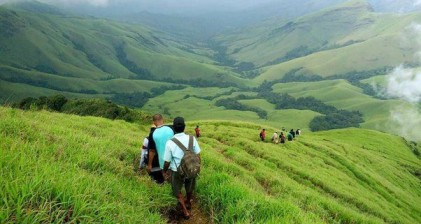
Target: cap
[179,122]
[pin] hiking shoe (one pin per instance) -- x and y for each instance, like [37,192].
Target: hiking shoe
[188,204]
[186,217]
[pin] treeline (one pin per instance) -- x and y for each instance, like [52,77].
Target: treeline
[332,119]
[233,104]
[202,82]
[141,73]
[336,120]
[297,52]
[246,69]
[138,99]
[355,78]
[227,93]
[83,107]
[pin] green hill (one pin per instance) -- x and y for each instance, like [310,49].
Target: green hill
[343,95]
[349,37]
[66,168]
[87,55]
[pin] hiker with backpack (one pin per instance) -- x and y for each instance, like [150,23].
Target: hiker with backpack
[157,140]
[292,133]
[282,137]
[290,136]
[183,159]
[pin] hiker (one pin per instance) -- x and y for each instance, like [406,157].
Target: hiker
[275,137]
[157,140]
[197,130]
[292,133]
[282,137]
[262,134]
[289,136]
[144,153]
[181,162]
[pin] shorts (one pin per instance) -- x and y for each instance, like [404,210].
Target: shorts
[177,183]
[157,176]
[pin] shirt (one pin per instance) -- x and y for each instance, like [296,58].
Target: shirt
[145,143]
[173,153]
[159,138]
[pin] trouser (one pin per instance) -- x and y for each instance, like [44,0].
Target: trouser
[157,176]
[142,158]
[177,182]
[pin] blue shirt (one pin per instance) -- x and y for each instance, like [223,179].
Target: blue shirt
[160,137]
[173,153]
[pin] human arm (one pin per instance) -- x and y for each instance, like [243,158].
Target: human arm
[151,156]
[167,159]
[151,151]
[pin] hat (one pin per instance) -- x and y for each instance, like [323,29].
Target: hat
[179,122]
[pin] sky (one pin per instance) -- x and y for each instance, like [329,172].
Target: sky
[189,6]
[160,5]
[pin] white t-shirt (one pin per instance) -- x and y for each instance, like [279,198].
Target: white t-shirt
[145,143]
[173,153]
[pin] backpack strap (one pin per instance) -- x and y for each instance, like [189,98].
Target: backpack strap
[182,147]
[190,142]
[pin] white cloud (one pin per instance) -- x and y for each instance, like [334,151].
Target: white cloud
[405,84]
[417,3]
[406,122]
[101,3]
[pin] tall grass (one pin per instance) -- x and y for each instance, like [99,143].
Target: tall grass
[65,168]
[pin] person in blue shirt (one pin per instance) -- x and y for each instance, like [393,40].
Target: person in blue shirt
[157,140]
[172,157]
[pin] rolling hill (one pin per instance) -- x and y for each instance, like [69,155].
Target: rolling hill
[45,50]
[346,38]
[66,168]
[60,51]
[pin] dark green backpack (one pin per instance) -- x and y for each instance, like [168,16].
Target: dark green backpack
[189,166]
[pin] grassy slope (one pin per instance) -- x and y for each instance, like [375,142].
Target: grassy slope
[184,103]
[85,165]
[65,51]
[355,35]
[343,95]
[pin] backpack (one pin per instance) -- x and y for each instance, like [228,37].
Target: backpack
[189,166]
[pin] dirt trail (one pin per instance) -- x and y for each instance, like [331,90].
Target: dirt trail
[196,216]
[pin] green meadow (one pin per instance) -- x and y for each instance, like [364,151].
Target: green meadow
[343,95]
[64,168]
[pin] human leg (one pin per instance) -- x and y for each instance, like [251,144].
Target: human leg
[190,185]
[176,185]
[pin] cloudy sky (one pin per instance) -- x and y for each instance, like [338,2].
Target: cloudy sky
[160,5]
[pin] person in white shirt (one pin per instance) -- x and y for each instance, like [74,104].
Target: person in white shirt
[172,157]
[144,153]
[275,137]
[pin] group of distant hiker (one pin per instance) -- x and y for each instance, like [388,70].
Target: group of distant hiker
[281,138]
[170,154]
